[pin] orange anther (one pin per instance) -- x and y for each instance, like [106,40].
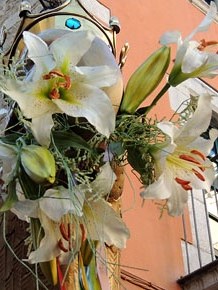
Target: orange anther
[46,77]
[83,231]
[57,73]
[189,158]
[199,153]
[182,181]
[199,175]
[64,232]
[68,82]
[60,81]
[186,186]
[54,94]
[61,246]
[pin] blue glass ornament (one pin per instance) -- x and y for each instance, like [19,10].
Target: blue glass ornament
[73,23]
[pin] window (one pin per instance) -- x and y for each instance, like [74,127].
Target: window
[202,5]
[208,1]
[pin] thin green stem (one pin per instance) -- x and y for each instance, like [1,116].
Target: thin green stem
[158,97]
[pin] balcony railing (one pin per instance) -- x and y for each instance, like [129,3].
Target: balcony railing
[200,247]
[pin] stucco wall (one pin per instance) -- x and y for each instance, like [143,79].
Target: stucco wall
[13,275]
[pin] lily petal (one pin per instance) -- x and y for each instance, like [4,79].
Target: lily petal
[160,189]
[169,129]
[39,53]
[100,54]
[57,202]
[48,248]
[171,37]
[41,128]
[206,22]
[104,181]
[99,76]
[104,224]
[199,122]
[26,208]
[205,145]
[75,46]
[93,104]
[177,201]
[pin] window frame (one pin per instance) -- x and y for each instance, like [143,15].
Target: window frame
[202,5]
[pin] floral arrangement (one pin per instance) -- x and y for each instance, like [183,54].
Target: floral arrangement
[64,142]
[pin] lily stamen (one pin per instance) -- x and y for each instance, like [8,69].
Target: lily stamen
[199,175]
[61,246]
[52,74]
[204,44]
[64,232]
[184,183]
[189,158]
[67,84]
[186,186]
[61,81]
[199,153]
[83,231]
[54,94]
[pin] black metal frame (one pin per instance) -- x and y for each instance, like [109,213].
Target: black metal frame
[50,4]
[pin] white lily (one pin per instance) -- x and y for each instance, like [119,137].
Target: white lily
[181,164]
[51,209]
[59,84]
[191,59]
[100,220]
[88,209]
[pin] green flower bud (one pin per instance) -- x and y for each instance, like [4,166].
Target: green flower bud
[145,79]
[39,163]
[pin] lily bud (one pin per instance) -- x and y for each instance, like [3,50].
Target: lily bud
[39,163]
[145,79]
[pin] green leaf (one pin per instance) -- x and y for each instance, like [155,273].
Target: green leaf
[10,139]
[11,197]
[64,140]
[135,159]
[116,148]
[141,161]
[30,189]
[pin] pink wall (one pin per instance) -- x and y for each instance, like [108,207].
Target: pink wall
[155,244]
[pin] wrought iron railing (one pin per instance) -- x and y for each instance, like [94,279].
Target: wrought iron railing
[202,248]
